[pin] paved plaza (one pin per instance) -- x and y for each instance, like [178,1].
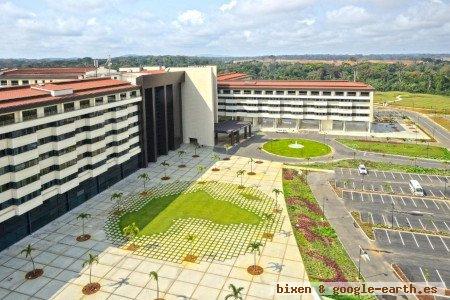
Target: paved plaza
[124,274]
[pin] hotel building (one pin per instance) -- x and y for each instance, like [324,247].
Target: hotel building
[296,104]
[61,143]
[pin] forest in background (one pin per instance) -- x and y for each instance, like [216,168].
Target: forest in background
[414,74]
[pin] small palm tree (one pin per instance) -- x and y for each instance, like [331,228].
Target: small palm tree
[27,251]
[82,217]
[191,238]
[251,161]
[196,147]
[144,177]
[200,169]
[227,148]
[90,261]
[241,174]
[276,192]
[215,158]
[131,231]
[154,276]
[165,164]
[255,248]
[268,216]
[181,154]
[236,292]
[117,196]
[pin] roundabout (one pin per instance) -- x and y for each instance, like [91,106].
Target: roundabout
[296,148]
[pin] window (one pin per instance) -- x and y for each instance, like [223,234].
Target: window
[29,114]
[326,93]
[6,119]
[25,82]
[351,93]
[85,104]
[365,94]
[247,92]
[258,92]
[99,101]
[50,110]
[133,94]
[123,96]
[291,92]
[3,82]
[226,92]
[339,93]
[14,82]
[302,93]
[69,106]
[280,92]
[314,93]
[269,92]
[111,98]
[236,91]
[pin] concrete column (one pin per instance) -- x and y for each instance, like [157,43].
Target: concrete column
[237,136]
[344,127]
[369,126]
[231,137]
[249,130]
[245,132]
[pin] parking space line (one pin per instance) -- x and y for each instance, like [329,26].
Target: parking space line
[401,189]
[409,223]
[420,221]
[432,193]
[424,203]
[371,197]
[403,201]
[371,216]
[382,189]
[351,193]
[446,225]
[402,176]
[401,238]
[373,189]
[382,200]
[438,178]
[434,225]
[396,221]
[414,202]
[420,177]
[342,172]
[392,174]
[443,242]
[375,172]
[423,275]
[446,204]
[441,193]
[389,239]
[353,184]
[384,174]
[414,237]
[440,277]
[392,199]
[432,247]
[384,219]
[437,206]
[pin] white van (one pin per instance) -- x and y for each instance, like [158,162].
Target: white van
[416,188]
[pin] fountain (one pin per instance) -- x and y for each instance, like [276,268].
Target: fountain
[296,146]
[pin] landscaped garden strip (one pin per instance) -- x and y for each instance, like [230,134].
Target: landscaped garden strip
[310,148]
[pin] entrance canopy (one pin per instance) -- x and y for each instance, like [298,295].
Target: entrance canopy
[232,129]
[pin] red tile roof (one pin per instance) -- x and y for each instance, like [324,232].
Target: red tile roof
[56,73]
[232,76]
[12,98]
[295,84]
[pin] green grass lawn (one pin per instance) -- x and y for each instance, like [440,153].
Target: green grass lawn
[421,102]
[406,149]
[378,165]
[310,148]
[160,213]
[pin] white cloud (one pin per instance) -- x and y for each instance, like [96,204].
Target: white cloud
[228,6]
[192,16]
[308,21]
[349,14]
[272,6]
[10,10]
[247,35]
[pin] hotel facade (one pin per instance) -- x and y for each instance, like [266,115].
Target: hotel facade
[275,105]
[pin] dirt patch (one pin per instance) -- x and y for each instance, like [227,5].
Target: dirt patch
[255,270]
[91,288]
[34,274]
[84,237]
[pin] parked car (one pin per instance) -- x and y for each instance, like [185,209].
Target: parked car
[362,169]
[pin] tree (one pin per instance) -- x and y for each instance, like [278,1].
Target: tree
[241,174]
[236,292]
[251,161]
[276,192]
[90,261]
[154,276]
[117,196]
[255,248]
[196,147]
[144,177]
[27,251]
[82,217]
[165,164]
[181,154]
[131,231]
[227,148]
[200,169]
[215,158]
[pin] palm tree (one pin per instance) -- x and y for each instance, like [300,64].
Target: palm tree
[131,231]
[276,192]
[154,276]
[268,216]
[241,173]
[255,247]
[236,292]
[227,148]
[200,169]
[251,161]
[181,153]
[117,196]
[191,238]
[144,177]
[215,158]
[165,164]
[196,146]
[27,251]
[82,217]
[90,261]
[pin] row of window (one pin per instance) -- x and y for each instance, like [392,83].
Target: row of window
[295,99]
[33,178]
[45,186]
[293,106]
[32,114]
[56,124]
[292,113]
[293,92]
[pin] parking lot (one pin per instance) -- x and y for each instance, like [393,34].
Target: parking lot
[374,175]
[438,276]
[389,187]
[416,243]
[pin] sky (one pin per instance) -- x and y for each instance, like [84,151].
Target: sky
[98,28]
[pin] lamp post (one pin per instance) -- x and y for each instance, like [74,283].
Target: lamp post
[362,254]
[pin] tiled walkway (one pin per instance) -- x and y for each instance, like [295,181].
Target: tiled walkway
[124,275]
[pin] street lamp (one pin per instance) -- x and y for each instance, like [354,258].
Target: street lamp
[362,254]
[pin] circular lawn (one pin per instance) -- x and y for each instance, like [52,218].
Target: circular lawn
[297,148]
